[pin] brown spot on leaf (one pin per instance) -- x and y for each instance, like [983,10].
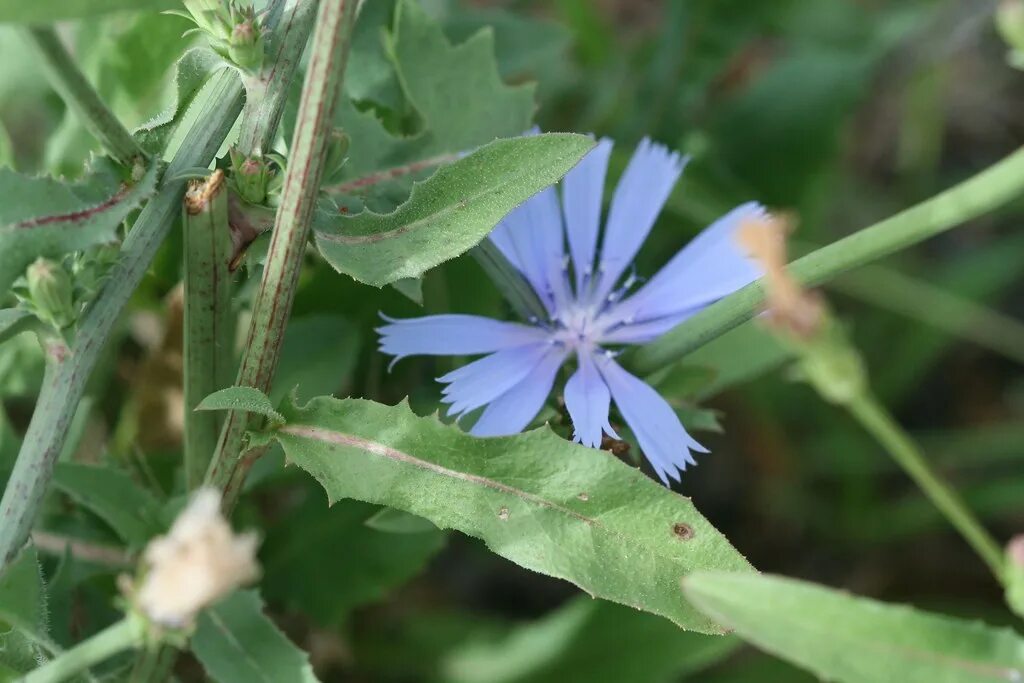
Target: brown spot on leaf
[503,514]
[583,496]
[684,532]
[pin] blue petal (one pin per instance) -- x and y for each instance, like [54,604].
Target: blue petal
[516,408]
[501,239]
[661,435]
[453,335]
[484,380]
[582,191]
[639,196]
[643,332]
[587,400]
[711,266]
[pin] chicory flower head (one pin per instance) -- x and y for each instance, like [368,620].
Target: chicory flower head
[590,310]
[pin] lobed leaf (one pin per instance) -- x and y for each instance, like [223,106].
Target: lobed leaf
[840,637]
[236,643]
[44,217]
[450,212]
[549,505]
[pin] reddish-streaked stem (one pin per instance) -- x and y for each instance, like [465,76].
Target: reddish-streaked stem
[272,306]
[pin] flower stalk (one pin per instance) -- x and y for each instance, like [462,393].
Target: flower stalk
[329,53]
[979,194]
[126,634]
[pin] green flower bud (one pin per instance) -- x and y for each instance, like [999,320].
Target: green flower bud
[50,291]
[245,47]
[251,177]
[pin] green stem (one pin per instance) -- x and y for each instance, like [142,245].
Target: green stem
[876,420]
[977,195]
[266,92]
[207,321]
[76,91]
[272,306]
[66,377]
[123,635]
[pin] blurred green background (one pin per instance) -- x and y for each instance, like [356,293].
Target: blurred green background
[839,111]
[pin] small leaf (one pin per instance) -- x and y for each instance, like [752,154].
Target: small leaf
[411,288]
[23,634]
[449,212]
[547,504]
[131,511]
[49,11]
[44,217]
[246,399]
[14,321]
[840,637]
[236,643]
[587,640]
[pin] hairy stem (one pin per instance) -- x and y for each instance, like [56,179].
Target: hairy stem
[76,91]
[266,91]
[273,303]
[125,634]
[66,376]
[876,420]
[977,195]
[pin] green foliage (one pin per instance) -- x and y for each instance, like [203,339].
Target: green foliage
[48,11]
[587,640]
[843,638]
[236,643]
[131,511]
[23,616]
[360,564]
[44,217]
[538,500]
[246,399]
[450,212]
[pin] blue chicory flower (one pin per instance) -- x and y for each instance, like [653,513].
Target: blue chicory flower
[588,308]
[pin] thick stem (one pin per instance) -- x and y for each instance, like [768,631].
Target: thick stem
[977,195]
[208,329]
[123,635]
[76,91]
[876,420]
[273,303]
[66,377]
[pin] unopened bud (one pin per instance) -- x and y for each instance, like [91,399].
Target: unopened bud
[199,561]
[50,289]
[245,47]
[251,177]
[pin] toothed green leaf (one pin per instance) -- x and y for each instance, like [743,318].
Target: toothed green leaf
[547,504]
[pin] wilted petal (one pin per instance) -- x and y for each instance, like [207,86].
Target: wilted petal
[639,196]
[587,400]
[661,435]
[582,191]
[452,335]
[711,266]
[516,408]
[484,380]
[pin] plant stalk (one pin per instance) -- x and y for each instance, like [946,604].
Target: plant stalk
[123,635]
[80,96]
[877,421]
[66,376]
[329,53]
[979,194]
